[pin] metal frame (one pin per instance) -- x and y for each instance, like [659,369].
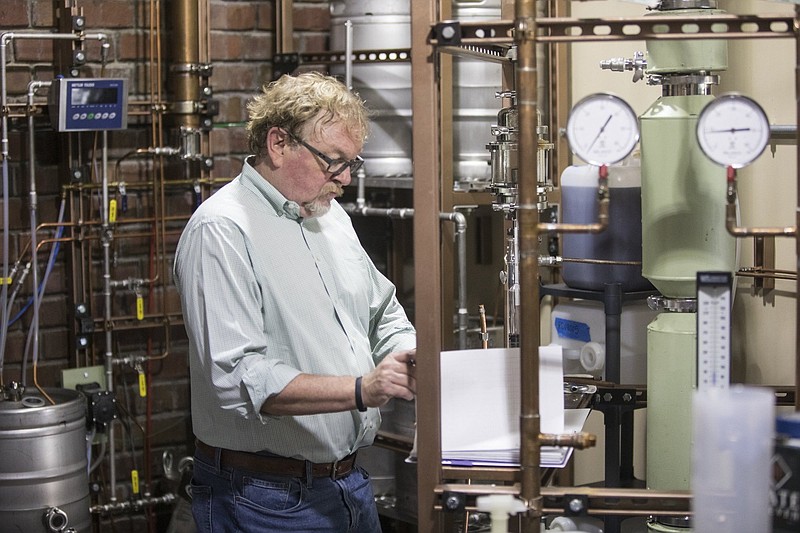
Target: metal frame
[525,31]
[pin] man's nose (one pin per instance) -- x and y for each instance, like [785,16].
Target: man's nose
[344,178]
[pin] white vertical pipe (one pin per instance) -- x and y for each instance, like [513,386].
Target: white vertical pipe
[348,54]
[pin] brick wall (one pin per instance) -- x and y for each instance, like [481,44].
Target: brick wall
[242,43]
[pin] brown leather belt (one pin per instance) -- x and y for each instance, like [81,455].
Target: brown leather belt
[278,466]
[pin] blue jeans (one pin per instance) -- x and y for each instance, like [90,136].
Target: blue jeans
[226,500]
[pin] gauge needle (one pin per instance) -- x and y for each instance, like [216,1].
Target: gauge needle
[729,130]
[599,133]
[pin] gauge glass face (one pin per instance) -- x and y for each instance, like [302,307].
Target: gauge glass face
[602,129]
[733,130]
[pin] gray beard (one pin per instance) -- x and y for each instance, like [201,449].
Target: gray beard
[316,208]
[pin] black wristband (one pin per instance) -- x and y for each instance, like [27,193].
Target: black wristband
[359,401]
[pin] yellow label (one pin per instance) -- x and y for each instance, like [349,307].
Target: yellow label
[135,481]
[142,385]
[139,308]
[5,281]
[112,211]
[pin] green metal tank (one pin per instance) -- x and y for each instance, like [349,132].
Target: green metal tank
[682,56]
[671,378]
[683,200]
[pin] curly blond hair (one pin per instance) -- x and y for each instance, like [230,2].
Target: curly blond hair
[291,102]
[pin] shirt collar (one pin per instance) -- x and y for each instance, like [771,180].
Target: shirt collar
[278,201]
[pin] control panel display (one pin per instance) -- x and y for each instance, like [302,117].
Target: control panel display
[88,104]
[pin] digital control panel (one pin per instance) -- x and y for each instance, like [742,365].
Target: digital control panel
[88,104]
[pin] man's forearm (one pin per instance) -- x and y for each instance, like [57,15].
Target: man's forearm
[309,394]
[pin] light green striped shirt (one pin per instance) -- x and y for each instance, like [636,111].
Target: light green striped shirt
[268,295]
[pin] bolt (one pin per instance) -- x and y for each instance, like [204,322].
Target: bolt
[448,32]
[627,397]
[607,397]
[576,505]
[452,503]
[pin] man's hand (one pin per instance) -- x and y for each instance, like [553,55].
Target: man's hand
[394,377]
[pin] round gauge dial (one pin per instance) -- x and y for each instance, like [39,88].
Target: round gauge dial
[602,129]
[733,130]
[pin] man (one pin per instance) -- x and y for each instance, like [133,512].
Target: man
[295,338]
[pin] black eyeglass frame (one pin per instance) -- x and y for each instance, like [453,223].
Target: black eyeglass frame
[352,164]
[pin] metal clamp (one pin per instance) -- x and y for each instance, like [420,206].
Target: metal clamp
[56,520]
[675,305]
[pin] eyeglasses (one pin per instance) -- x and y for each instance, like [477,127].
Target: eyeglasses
[335,166]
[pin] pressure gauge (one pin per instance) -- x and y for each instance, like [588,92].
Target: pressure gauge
[732,130]
[602,129]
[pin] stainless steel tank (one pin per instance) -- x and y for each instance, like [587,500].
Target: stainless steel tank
[44,483]
[475,106]
[386,87]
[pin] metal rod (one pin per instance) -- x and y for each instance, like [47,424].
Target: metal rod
[348,54]
[34,203]
[797,212]
[530,422]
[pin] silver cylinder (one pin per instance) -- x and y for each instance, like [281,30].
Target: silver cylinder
[44,481]
[475,83]
[386,87]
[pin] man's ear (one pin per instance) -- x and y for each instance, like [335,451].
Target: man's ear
[276,145]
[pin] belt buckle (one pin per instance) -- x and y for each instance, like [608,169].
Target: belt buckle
[334,469]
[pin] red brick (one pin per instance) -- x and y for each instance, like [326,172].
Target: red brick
[109,13]
[232,109]
[238,76]
[15,13]
[132,45]
[222,167]
[42,14]
[226,45]
[33,50]
[233,16]
[238,141]
[309,43]
[55,344]
[219,139]
[266,16]
[312,17]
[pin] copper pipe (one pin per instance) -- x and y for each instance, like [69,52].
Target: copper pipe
[739,231]
[38,387]
[748,273]
[183,78]
[580,441]
[597,227]
[530,422]
[284,27]
[484,330]
[426,147]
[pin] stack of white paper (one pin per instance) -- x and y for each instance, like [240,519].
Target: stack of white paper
[480,407]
